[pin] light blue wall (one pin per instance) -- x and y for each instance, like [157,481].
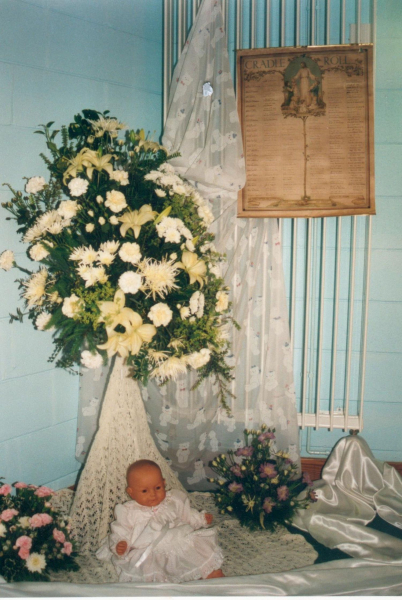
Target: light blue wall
[383,396]
[56,58]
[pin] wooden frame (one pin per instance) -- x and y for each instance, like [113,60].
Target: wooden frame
[307,120]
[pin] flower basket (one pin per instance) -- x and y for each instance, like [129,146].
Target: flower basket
[259,486]
[34,538]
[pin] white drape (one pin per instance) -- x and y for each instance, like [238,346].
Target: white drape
[188,426]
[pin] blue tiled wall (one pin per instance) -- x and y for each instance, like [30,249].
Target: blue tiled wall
[57,57]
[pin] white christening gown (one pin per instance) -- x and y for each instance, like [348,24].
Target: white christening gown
[167,542]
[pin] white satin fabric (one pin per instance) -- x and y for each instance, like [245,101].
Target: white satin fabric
[353,489]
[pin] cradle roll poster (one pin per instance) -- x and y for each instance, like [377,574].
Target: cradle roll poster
[308,131]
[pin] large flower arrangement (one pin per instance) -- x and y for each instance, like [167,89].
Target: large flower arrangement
[259,486]
[34,538]
[126,263]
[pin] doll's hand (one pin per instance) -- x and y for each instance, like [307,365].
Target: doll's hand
[209,518]
[121,547]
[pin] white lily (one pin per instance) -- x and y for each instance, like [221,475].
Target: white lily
[134,219]
[194,267]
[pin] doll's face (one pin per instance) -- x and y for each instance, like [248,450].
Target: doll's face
[146,486]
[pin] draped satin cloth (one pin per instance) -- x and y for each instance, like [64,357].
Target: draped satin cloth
[354,488]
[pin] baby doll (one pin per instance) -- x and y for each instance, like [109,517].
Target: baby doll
[157,536]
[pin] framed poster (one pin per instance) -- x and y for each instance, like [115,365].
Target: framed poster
[308,131]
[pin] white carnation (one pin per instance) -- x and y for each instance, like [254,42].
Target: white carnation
[42,320]
[130,252]
[37,252]
[116,201]
[71,306]
[91,361]
[172,235]
[160,314]
[166,168]
[3,530]
[185,312]
[101,220]
[130,282]
[7,259]
[197,302]
[68,209]
[34,185]
[160,193]
[120,176]
[179,189]
[199,359]
[223,301]
[78,186]
[89,227]
[36,562]
[24,522]
[114,220]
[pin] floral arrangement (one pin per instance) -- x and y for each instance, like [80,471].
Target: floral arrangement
[258,485]
[34,538]
[126,263]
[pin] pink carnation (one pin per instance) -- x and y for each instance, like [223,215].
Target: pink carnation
[23,553]
[59,536]
[44,491]
[5,489]
[40,519]
[20,485]
[24,541]
[68,548]
[8,514]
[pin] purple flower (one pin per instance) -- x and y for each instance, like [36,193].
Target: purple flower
[283,492]
[236,487]
[307,479]
[236,471]
[246,451]
[268,505]
[268,470]
[268,435]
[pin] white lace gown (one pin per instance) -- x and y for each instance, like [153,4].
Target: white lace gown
[165,543]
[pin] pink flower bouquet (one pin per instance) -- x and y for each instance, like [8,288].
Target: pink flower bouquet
[258,485]
[34,538]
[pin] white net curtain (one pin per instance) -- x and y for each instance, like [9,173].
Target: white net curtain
[189,427]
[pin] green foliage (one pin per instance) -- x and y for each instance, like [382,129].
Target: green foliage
[258,485]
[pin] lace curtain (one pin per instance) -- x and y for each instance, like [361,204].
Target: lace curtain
[189,427]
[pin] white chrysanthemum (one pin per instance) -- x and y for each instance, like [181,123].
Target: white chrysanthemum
[205,214]
[223,301]
[88,255]
[185,312]
[42,320]
[33,233]
[115,201]
[120,176]
[160,193]
[91,361]
[7,259]
[78,253]
[68,209]
[171,368]
[78,186]
[105,257]
[35,288]
[36,562]
[170,180]
[130,282]
[130,252]
[159,276]
[24,522]
[72,306]
[92,275]
[111,246]
[197,302]
[37,252]
[3,530]
[107,125]
[166,168]
[153,176]
[199,359]
[160,314]
[34,185]
[172,235]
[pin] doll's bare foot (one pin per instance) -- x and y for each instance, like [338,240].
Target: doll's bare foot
[216,573]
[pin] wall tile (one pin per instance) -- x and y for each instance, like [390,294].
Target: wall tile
[388,117]
[383,377]
[388,172]
[386,275]
[386,223]
[384,327]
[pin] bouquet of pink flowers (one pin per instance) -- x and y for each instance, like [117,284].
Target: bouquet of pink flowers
[259,485]
[34,538]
